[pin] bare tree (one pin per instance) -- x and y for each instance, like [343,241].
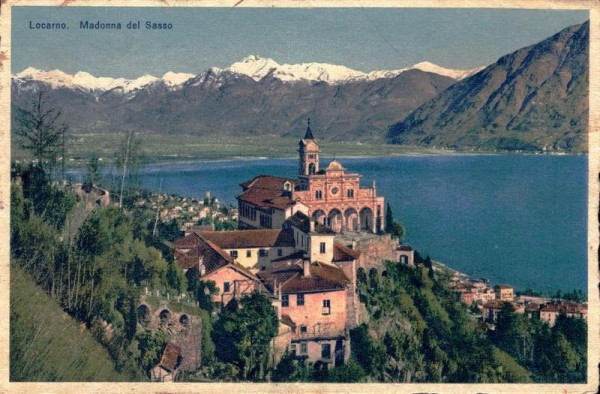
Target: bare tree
[128,160]
[41,132]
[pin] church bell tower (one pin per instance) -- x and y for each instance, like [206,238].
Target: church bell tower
[309,154]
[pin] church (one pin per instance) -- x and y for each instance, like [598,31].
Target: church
[331,196]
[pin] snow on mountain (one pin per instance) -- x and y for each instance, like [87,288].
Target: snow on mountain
[175,79]
[448,72]
[87,82]
[255,67]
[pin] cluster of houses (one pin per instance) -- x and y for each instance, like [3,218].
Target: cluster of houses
[491,300]
[188,212]
[307,273]
[298,243]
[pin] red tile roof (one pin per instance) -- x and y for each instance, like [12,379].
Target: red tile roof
[532,307]
[187,242]
[266,198]
[496,304]
[275,278]
[564,307]
[294,258]
[343,253]
[212,256]
[267,182]
[251,238]
[323,277]
[170,356]
[302,223]
[267,192]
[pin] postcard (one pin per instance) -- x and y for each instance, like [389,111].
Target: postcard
[262,196]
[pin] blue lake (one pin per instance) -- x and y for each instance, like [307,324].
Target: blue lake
[515,219]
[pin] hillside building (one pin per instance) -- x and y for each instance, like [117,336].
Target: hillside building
[308,274]
[504,293]
[550,311]
[331,196]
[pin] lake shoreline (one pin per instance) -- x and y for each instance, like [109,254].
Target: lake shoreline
[483,214]
[430,153]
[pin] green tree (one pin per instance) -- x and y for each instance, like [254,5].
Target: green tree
[369,354]
[392,226]
[49,202]
[169,231]
[290,369]
[389,218]
[242,334]
[513,333]
[93,175]
[351,372]
[151,346]
[176,278]
[41,132]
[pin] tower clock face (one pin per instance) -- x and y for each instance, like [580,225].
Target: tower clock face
[334,190]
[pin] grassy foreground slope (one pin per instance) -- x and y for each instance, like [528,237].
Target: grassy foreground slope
[46,344]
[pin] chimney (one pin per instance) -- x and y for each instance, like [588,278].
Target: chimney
[312,225]
[201,266]
[306,267]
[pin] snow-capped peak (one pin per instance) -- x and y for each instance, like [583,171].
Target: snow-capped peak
[88,82]
[29,72]
[258,67]
[173,79]
[448,72]
[254,66]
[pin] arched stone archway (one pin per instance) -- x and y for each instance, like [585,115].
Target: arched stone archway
[165,316]
[361,275]
[335,220]
[319,216]
[144,317]
[373,278]
[352,220]
[367,222]
[184,320]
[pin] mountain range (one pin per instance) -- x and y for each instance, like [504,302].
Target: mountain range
[254,96]
[534,99]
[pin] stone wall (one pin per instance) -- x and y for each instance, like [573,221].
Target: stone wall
[184,329]
[349,268]
[374,251]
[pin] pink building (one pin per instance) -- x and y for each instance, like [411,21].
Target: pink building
[550,311]
[210,262]
[314,306]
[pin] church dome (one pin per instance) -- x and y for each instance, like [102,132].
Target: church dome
[335,165]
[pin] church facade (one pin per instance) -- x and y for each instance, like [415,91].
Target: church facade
[332,196]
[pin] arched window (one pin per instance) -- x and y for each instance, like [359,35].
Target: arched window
[318,194]
[350,193]
[165,316]
[184,320]
[287,186]
[311,168]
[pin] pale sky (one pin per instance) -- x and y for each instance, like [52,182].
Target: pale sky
[359,38]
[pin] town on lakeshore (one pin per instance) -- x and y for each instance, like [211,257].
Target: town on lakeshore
[382,237]
[304,243]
